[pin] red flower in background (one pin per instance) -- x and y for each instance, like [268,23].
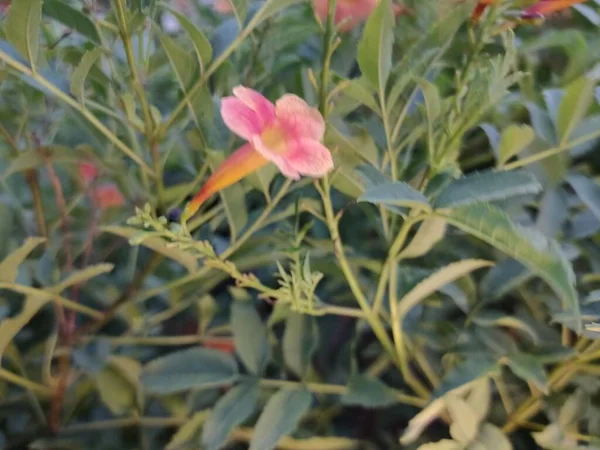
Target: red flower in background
[541,8]
[105,195]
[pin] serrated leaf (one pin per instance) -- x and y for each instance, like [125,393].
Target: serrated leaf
[71,18]
[229,412]
[22,28]
[193,368]
[430,232]
[374,53]
[81,71]
[158,245]
[436,281]
[514,139]
[395,194]
[299,340]
[201,43]
[588,191]
[368,392]
[529,368]
[486,186]
[540,254]
[575,103]
[279,418]
[233,199]
[464,424]
[250,335]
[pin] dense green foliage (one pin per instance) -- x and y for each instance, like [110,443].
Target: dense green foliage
[437,290]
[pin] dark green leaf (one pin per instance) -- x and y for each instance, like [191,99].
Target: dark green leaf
[588,191]
[71,18]
[395,194]
[229,412]
[529,368]
[193,368]
[250,335]
[487,186]
[473,367]
[299,340]
[540,254]
[279,418]
[369,393]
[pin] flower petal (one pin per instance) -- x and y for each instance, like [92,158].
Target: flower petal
[299,120]
[309,157]
[276,156]
[240,118]
[242,162]
[258,103]
[545,7]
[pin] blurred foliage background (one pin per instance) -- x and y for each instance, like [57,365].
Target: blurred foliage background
[439,290]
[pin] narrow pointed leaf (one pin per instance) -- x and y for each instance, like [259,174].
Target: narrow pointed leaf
[250,335]
[279,418]
[487,186]
[575,103]
[395,194]
[23,28]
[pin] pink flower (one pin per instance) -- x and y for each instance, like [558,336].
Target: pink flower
[350,13]
[287,133]
[107,195]
[88,172]
[223,6]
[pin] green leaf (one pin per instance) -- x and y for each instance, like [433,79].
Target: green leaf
[194,368]
[200,42]
[368,392]
[279,418]
[81,276]
[431,231]
[10,326]
[188,432]
[514,139]
[240,9]
[71,18]
[465,424]
[438,280]
[374,53]
[22,28]
[250,335]
[499,319]
[588,191]
[575,103]
[480,398]
[540,254]
[9,266]
[230,411]
[529,368]
[116,391]
[492,438]
[157,244]
[487,186]
[472,368]
[182,62]
[299,341]
[233,199]
[31,159]
[433,108]
[395,194]
[503,278]
[81,72]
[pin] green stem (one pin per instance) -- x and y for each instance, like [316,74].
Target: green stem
[66,98]
[327,53]
[25,383]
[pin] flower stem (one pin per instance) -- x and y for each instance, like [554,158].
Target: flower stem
[327,53]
